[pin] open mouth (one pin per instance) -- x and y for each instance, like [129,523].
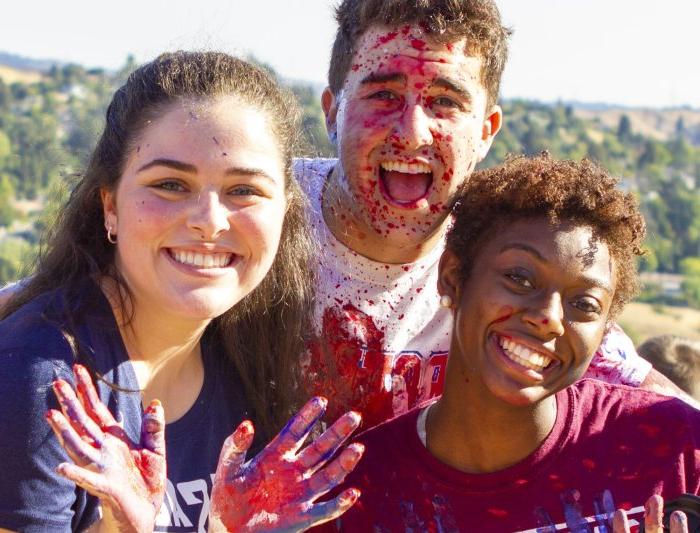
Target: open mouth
[524,356]
[202,260]
[405,184]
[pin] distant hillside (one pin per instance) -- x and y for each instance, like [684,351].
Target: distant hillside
[11,75]
[26,63]
[658,124]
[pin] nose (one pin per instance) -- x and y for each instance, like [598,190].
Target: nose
[209,217]
[545,315]
[413,129]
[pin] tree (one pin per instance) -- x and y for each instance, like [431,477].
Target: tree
[624,129]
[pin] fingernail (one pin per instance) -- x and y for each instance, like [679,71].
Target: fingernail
[349,497]
[679,518]
[358,447]
[153,407]
[321,401]
[242,435]
[355,417]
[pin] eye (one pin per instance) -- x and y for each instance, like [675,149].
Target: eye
[383,95]
[587,304]
[446,101]
[170,185]
[520,279]
[244,190]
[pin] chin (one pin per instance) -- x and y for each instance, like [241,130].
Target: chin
[205,306]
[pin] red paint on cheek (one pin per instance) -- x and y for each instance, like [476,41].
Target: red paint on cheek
[545,321]
[419,85]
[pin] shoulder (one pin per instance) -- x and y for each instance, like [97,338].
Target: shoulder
[312,172]
[616,360]
[382,441]
[32,337]
[635,409]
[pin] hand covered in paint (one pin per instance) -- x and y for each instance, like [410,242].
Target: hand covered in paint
[653,516]
[276,490]
[128,477]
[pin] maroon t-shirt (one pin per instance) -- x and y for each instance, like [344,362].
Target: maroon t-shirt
[608,442]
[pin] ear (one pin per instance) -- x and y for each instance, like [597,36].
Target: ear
[449,280]
[329,104]
[492,125]
[109,209]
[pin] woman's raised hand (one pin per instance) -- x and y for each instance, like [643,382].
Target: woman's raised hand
[128,477]
[276,490]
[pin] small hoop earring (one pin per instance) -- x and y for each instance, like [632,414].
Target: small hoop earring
[112,239]
[446,301]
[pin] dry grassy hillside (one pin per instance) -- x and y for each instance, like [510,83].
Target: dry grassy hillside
[642,321]
[11,75]
[655,123]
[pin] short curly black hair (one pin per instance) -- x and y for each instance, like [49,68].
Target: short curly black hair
[562,191]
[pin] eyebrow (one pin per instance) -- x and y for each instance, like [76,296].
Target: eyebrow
[187,167]
[375,77]
[588,280]
[453,86]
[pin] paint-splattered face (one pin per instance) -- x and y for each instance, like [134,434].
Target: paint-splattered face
[533,311]
[411,124]
[199,207]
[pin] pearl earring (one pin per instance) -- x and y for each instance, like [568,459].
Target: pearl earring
[446,301]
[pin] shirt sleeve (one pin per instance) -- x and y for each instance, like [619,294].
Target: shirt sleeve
[616,361]
[33,497]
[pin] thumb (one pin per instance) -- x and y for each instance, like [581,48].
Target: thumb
[153,428]
[234,451]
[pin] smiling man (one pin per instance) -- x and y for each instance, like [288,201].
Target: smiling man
[412,108]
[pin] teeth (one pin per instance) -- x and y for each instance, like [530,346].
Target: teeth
[524,356]
[407,168]
[200,260]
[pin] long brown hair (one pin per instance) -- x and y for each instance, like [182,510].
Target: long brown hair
[263,335]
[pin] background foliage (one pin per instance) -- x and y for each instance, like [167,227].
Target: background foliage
[48,126]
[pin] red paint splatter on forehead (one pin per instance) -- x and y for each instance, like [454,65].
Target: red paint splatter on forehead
[418,44]
[387,37]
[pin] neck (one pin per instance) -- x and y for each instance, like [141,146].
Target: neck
[164,351]
[346,223]
[474,433]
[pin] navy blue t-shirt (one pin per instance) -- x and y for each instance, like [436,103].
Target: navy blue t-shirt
[33,352]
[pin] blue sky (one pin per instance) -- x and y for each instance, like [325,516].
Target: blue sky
[631,52]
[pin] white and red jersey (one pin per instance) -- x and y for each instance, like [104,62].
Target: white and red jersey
[381,338]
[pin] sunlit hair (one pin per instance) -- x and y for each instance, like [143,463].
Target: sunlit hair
[677,358]
[263,334]
[582,193]
[445,20]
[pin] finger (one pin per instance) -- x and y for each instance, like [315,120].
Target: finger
[620,523]
[324,480]
[297,429]
[321,513]
[92,482]
[654,514]
[679,522]
[79,451]
[325,446]
[234,451]
[90,399]
[153,428]
[74,412]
